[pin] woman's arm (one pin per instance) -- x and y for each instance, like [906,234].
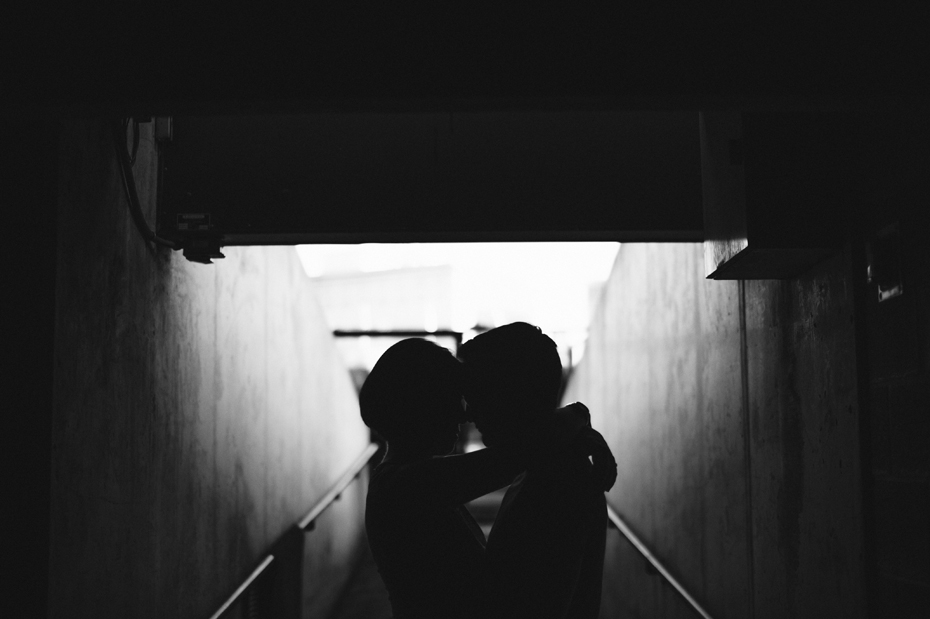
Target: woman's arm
[461,478]
[589,442]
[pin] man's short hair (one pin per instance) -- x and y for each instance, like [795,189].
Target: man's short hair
[517,367]
[409,384]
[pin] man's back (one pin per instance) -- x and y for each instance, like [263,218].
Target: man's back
[545,553]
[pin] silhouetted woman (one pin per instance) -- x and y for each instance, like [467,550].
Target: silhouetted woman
[428,548]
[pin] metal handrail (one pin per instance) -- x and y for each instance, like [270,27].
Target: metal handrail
[625,530]
[241,589]
[339,486]
[305,523]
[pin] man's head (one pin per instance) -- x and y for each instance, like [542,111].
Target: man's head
[513,375]
[413,396]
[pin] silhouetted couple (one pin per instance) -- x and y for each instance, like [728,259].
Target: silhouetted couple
[544,556]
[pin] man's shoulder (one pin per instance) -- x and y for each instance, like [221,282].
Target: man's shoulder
[565,471]
[564,484]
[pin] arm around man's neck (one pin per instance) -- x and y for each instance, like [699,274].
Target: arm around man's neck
[568,430]
[553,432]
[457,479]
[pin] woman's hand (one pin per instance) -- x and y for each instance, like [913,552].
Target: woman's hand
[590,442]
[571,419]
[553,432]
[572,424]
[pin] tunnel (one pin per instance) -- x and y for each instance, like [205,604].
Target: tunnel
[184,440]
[761,425]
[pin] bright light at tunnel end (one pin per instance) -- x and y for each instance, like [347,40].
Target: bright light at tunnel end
[464,285]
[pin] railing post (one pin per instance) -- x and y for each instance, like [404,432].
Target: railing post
[278,592]
[282,591]
[253,603]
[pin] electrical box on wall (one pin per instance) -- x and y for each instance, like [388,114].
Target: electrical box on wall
[779,191]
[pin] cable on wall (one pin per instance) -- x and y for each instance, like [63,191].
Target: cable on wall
[126,161]
[135,138]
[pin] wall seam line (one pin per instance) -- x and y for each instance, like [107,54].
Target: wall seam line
[747,443]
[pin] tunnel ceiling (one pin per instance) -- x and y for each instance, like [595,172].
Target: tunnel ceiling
[433,176]
[272,179]
[648,55]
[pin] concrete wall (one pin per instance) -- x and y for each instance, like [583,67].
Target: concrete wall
[896,385]
[804,426]
[199,410]
[30,183]
[732,411]
[898,343]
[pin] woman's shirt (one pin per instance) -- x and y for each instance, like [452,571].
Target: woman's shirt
[428,548]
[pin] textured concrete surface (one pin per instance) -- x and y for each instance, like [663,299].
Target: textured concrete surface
[661,377]
[896,337]
[199,410]
[682,376]
[804,424]
[365,597]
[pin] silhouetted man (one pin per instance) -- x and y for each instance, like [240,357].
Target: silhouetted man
[545,552]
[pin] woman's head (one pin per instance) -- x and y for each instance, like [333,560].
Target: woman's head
[413,395]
